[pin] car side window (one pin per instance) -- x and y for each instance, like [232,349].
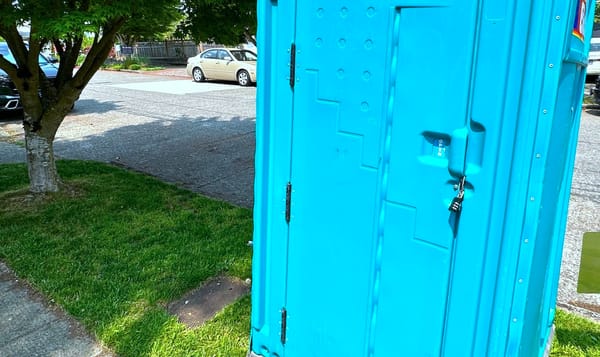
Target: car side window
[238,55]
[223,54]
[244,55]
[212,54]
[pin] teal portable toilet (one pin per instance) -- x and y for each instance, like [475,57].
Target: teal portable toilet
[413,168]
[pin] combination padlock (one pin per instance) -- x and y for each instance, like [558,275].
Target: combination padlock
[456,204]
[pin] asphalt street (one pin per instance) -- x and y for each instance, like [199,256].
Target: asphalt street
[199,136]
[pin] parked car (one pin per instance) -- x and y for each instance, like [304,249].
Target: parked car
[228,64]
[9,96]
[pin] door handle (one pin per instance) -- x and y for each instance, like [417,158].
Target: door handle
[458,152]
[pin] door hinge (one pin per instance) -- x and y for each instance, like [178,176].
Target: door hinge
[293,65]
[288,202]
[283,325]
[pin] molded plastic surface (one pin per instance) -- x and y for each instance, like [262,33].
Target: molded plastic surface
[392,104]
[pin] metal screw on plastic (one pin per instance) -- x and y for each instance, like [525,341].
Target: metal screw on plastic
[551,65]
[557,18]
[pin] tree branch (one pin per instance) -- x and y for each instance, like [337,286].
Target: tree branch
[17,46]
[8,67]
[98,53]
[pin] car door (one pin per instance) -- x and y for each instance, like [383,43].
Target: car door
[226,66]
[208,63]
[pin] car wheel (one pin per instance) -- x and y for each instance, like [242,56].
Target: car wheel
[197,74]
[243,78]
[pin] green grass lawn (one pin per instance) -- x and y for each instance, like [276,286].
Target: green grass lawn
[117,246]
[575,337]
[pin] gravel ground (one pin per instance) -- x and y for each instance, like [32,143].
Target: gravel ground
[584,216]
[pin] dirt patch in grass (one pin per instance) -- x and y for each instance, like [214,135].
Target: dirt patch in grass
[23,198]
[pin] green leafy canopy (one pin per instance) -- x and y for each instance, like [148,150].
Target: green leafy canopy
[228,22]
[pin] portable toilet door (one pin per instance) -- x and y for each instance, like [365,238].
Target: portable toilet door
[385,173]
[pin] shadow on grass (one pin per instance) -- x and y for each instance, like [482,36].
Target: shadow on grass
[137,334]
[575,336]
[580,337]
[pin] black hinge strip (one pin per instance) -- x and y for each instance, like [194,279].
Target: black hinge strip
[288,202]
[283,325]
[293,65]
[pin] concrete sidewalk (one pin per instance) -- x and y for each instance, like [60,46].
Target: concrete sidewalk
[32,326]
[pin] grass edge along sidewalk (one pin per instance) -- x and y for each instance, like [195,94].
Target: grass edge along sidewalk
[117,246]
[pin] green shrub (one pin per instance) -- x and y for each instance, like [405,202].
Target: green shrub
[130,61]
[133,63]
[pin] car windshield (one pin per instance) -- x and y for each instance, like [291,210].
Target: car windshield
[9,57]
[243,55]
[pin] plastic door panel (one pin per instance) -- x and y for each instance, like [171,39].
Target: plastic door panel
[372,117]
[379,143]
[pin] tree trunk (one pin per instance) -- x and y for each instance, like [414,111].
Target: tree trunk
[43,176]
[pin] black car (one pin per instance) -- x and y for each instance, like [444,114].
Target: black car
[9,96]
